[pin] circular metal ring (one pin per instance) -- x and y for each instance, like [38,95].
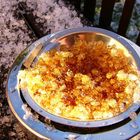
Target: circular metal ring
[41,130]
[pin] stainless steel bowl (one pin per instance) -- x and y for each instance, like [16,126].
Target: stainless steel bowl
[68,38]
[65,37]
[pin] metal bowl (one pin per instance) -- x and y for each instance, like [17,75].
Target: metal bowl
[65,37]
[68,37]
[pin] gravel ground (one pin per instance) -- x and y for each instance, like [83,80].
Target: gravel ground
[15,36]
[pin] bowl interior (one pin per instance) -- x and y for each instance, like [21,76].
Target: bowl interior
[70,39]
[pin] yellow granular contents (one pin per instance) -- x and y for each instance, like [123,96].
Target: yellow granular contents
[87,81]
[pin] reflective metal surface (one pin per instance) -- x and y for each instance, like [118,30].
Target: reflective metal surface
[46,131]
[29,60]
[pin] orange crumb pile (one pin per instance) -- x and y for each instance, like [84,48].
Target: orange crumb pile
[87,81]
